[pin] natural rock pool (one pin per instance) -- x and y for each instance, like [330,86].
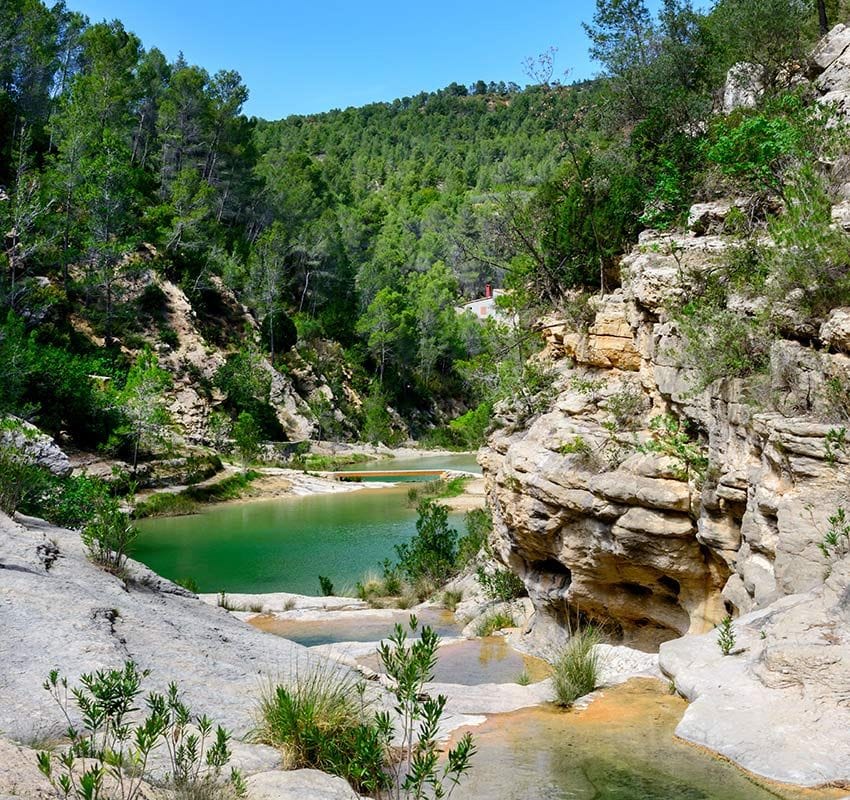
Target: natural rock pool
[621,747]
[282,545]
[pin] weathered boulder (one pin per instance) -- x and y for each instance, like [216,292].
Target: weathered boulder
[831,46]
[835,332]
[743,87]
[708,217]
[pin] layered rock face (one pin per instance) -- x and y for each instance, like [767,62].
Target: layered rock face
[601,526]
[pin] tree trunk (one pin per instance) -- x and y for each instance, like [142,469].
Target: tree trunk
[822,18]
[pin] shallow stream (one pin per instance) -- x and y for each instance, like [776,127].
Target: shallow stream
[621,747]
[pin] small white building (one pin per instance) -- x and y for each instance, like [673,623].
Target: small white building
[485,307]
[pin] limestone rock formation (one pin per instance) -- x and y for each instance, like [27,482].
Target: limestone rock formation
[604,522]
[600,525]
[637,497]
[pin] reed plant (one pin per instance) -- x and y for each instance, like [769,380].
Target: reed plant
[575,671]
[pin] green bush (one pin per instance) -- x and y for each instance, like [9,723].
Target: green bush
[753,148]
[246,386]
[466,432]
[109,535]
[326,585]
[432,552]
[72,501]
[231,488]
[419,771]
[190,584]
[575,671]
[810,265]
[720,343]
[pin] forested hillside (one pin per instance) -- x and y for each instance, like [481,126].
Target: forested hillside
[352,235]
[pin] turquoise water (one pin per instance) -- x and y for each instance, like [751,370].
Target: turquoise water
[281,545]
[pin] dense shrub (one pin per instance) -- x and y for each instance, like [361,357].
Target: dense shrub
[109,535]
[71,502]
[432,552]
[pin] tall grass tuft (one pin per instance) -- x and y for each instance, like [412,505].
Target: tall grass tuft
[318,719]
[575,671]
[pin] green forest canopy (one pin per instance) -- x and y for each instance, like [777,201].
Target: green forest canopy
[363,226]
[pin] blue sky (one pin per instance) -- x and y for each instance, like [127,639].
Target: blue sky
[307,57]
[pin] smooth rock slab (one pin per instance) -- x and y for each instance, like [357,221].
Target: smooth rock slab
[77,618]
[299,784]
[491,698]
[779,705]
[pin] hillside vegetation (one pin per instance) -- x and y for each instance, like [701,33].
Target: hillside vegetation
[352,235]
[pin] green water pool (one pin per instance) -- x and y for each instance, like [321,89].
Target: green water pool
[281,545]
